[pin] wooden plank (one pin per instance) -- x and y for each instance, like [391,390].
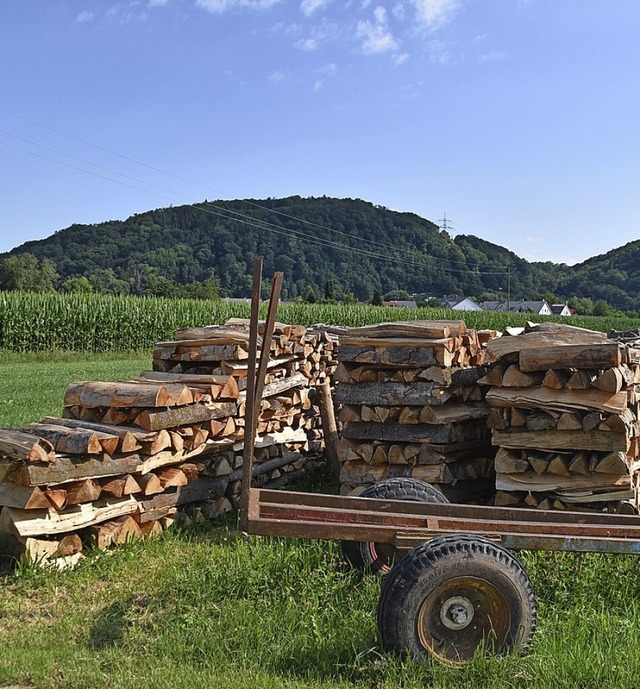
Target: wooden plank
[297,380]
[50,522]
[228,387]
[405,356]
[130,438]
[70,468]
[454,412]
[186,351]
[501,347]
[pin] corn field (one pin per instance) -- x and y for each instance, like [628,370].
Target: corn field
[98,323]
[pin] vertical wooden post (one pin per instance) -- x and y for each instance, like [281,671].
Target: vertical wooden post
[255,379]
[250,415]
[329,428]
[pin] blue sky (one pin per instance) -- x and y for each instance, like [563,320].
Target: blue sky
[518,118]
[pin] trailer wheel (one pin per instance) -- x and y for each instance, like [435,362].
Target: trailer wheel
[455,594]
[378,558]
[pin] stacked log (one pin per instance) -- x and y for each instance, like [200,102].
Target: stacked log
[564,414]
[224,349]
[411,405]
[289,423]
[125,456]
[115,466]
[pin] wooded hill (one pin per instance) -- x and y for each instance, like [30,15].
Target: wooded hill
[333,246]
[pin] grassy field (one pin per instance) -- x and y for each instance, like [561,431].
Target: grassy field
[32,385]
[206,607]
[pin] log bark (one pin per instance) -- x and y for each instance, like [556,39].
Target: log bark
[395,432]
[583,356]
[76,441]
[391,394]
[23,497]
[562,440]
[181,416]
[119,394]
[25,446]
[557,400]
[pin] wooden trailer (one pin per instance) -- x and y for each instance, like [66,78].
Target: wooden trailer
[452,583]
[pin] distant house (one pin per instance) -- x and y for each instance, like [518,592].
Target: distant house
[561,310]
[401,304]
[461,304]
[539,308]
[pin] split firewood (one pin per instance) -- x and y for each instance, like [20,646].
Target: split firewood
[119,486]
[115,532]
[76,441]
[179,416]
[23,497]
[121,394]
[26,447]
[130,438]
[556,379]
[86,490]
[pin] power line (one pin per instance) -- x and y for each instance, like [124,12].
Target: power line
[229,213]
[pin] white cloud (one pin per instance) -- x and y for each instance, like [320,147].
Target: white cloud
[221,6]
[309,7]
[400,58]
[320,33]
[325,72]
[433,14]
[277,76]
[375,35]
[439,52]
[399,11]
[493,56]
[84,17]
[158,3]
[281,27]
[307,44]
[329,69]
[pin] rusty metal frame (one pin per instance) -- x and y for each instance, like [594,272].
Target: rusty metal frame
[403,524]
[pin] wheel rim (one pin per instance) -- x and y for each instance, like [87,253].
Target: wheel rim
[383,556]
[460,615]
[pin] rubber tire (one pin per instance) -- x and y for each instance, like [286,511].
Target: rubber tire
[412,596]
[365,556]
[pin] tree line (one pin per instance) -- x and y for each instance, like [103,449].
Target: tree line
[328,249]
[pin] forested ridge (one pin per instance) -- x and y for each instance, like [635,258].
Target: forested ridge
[326,247]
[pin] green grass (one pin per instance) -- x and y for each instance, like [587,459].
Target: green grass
[32,385]
[206,607]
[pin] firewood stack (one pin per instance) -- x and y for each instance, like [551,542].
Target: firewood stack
[116,466]
[411,405]
[564,414]
[224,349]
[289,425]
[126,455]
